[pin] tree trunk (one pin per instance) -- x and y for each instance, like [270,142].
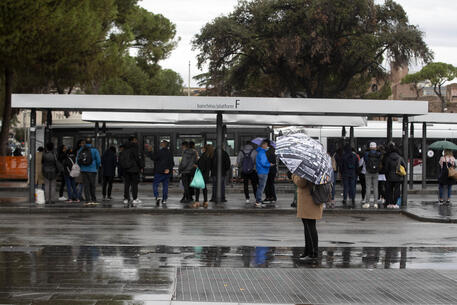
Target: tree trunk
[7,112]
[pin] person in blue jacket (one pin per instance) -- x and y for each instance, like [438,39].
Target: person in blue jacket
[263,167]
[89,171]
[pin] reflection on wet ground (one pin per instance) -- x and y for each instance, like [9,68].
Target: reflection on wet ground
[148,273]
[432,209]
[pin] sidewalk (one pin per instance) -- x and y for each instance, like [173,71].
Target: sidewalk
[422,206]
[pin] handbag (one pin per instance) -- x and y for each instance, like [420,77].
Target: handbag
[452,173]
[198,182]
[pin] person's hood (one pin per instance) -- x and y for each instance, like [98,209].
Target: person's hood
[261,149]
[248,148]
[394,155]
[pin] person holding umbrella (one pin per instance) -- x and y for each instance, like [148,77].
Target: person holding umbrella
[446,162]
[310,166]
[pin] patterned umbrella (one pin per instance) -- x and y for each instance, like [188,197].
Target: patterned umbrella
[305,157]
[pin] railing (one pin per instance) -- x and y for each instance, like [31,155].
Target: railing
[13,167]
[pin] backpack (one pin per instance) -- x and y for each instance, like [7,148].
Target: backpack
[85,156]
[322,193]
[400,169]
[75,169]
[125,161]
[247,165]
[372,163]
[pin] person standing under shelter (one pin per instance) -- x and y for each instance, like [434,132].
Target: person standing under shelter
[263,167]
[205,164]
[246,166]
[186,168]
[349,165]
[39,179]
[163,167]
[391,164]
[270,192]
[88,159]
[372,164]
[109,163]
[131,164]
[50,173]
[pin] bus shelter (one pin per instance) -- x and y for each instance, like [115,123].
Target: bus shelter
[428,120]
[218,107]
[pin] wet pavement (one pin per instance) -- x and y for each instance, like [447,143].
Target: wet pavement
[140,275]
[230,254]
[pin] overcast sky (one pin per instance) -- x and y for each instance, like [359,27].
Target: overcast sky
[438,19]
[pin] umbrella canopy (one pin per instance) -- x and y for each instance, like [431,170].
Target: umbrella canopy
[305,157]
[258,141]
[443,145]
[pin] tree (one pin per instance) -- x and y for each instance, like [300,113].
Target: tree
[414,79]
[438,74]
[312,48]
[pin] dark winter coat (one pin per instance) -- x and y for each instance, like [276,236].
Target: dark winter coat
[349,165]
[163,160]
[226,164]
[67,164]
[132,151]
[271,156]
[390,162]
[49,165]
[109,163]
[188,160]
[205,164]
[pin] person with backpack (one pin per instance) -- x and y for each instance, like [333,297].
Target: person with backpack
[392,163]
[163,168]
[270,192]
[131,163]
[349,165]
[263,167]
[246,166]
[109,163]
[446,162]
[68,162]
[372,164]
[50,173]
[309,212]
[88,159]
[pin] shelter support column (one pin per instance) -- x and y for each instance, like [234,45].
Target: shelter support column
[424,155]
[351,137]
[219,140]
[411,157]
[32,155]
[389,129]
[404,197]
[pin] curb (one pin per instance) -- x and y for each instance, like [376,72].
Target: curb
[428,219]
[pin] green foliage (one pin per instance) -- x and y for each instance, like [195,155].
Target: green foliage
[166,82]
[311,48]
[437,73]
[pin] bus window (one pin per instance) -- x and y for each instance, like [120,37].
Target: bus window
[197,139]
[148,141]
[230,147]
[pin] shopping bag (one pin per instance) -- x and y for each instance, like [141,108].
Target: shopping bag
[39,196]
[198,182]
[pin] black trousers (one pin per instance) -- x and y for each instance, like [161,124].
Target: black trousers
[381,189]
[186,180]
[62,186]
[270,192]
[311,238]
[363,183]
[130,182]
[254,181]
[107,181]
[392,192]
[205,191]
[89,185]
